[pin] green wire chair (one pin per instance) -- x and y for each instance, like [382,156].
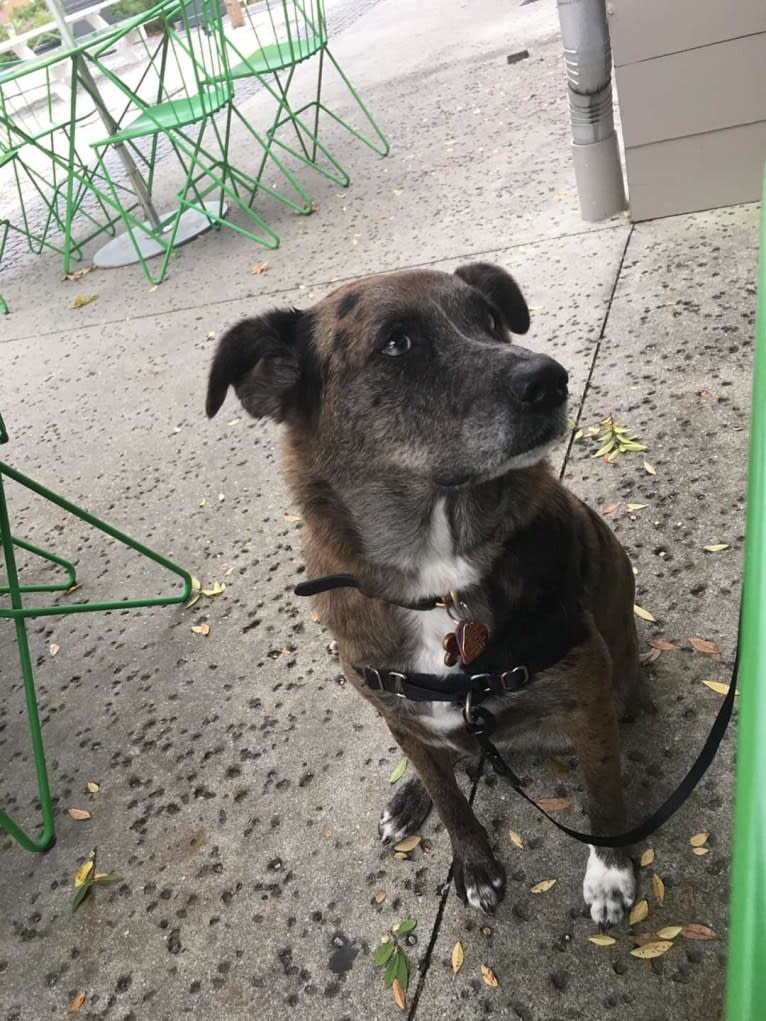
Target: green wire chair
[184,96]
[18,613]
[278,36]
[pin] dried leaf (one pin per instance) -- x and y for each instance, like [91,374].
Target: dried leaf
[228,572]
[643,614]
[554,804]
[649,950]
[292,517]
[649,468]
[457,958]
[408,844]
[85,869]
[76,1003]
[82,299]
[716,547]
[719,687]
[216,590]
[705,647]
[380,896]
[699,851]
[611,508]
[639,911]
[400,856]
[558,767]
[662,644]
[53,648]
[635,506]
[650,656]
[78,274]
[659,889]
[93,788]
[78,813]
[260,267]
[698,839]
[400,997]
[669,932]
[515,838]
[543,886]
[201,629]
[602,940]
[647,857]
[489,977]
[696,931]
[314,616]
[398,771]
[196,590]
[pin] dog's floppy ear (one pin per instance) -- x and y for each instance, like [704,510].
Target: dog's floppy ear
[500,290]
[259,357]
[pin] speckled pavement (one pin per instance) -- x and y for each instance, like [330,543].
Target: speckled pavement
[240,778]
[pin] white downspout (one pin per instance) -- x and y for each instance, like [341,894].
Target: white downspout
[588,55]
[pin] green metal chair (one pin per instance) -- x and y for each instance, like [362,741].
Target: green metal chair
[184,96]
[18,612]
[278,37]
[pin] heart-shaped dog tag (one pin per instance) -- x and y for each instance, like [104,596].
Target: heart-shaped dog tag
[472,639]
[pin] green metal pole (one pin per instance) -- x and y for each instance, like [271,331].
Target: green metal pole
[746,983]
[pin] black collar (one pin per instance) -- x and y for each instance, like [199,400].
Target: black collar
[331,581]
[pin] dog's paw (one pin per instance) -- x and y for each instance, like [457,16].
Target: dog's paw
[479,882]
[404,813]
[609,890]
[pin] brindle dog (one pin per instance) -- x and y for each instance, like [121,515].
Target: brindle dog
[415,446]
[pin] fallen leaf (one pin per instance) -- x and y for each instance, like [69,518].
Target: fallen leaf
[647,857]
[669,932]
[74,588]
[716,547]
[228,572]
[314,616]
[292,517]
[698,839]
[659,889]
[211,335]
[106,877]
[201,629]
[705,647]
[196,591]
[640,939]
[490,978]
[639,911]
[649,468]
[260,267]
[93,788]
[719,687]
[82,299]
[611,508]
[515,838]
[650,656]
[554,804]
[78,813]
[76,1003]
[558,767]
[543,886]
[78,274]
[216,590]
[635,506]
[380,896]
[696,931]
[400,856]
[408,844]
[457,958]
[400,997]
[85,869]
[398,771]
[602,940]
[699,851]
[662,644]
[655,949]
[53,648]
[643,614]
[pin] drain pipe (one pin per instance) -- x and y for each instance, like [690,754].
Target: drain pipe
[588,55]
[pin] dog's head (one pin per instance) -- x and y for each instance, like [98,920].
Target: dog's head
[410,372]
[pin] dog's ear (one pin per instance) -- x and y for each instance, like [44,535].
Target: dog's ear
[500,290]
[261,359]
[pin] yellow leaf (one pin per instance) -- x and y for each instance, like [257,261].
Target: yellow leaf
[554,804]
[93,788]
[380,896]
[490,978]
[400,997]
[291,517]
[719,687]
[515,838]
[78,813]
[602,940]
[457,958]
[698,839]
[201,629]
[76,1003]
[716,547]
[400,855]
[639,911]
[635,506]
[77,274]
[642,613]
[647,857]
[669,932]
[260,267]
[700,850]
[408,844]
[228,572]
[659,889]
[85,869]
[82,299]
[216,590]
[649,468]
[53,648]
[543,886]
[652,949]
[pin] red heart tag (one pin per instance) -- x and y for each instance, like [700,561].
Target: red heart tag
[472,639]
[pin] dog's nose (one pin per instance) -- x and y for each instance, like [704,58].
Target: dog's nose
[540,383]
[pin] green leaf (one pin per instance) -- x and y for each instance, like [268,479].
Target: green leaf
[402,973]
[606,449]
[107,877]
[384,953]
[632,445]
[406,926]
[390,974]
[398,770]
[81,893]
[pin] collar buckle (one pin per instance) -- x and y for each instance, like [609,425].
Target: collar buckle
[515,678]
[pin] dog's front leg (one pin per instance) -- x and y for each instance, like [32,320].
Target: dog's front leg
[479,877]
[609,884]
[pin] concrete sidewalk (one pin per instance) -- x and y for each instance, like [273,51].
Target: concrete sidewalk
[241,780]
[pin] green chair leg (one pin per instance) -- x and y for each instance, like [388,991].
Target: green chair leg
[4,310]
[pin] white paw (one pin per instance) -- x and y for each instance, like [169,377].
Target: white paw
[608,890]
[484,896]
[390,828]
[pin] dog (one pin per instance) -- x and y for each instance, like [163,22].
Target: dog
[416,436]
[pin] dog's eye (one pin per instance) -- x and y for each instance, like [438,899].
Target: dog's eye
[397,344]
[491,321]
